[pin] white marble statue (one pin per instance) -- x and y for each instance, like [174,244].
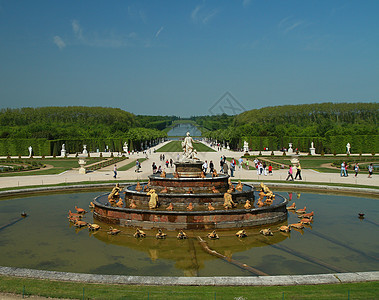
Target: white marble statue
[245,146]
[312,149]
[290,150]
[312,145]
[85,149]
[63,151]
[30,148]
[189,151]
[348,148]
[125,148]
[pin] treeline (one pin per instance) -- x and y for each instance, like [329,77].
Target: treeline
[48,127]
[156,122]
[274,127]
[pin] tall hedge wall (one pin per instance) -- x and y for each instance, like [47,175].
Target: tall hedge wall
[20,146]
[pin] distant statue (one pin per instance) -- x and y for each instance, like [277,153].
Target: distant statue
[63,151]
[228,200]
[245,146]
[85,149]
[348,148]
[189,151]
[312,145]
[30,151]
[125,148]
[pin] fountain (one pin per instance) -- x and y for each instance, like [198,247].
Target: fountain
[189,199]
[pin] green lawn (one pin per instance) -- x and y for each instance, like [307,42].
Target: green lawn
[57,289]
[59,166]
[176,146]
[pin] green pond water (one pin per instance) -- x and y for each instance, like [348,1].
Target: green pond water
[337,241]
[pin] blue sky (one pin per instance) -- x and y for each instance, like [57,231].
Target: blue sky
[180,57]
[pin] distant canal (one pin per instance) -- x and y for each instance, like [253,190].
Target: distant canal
[182,129]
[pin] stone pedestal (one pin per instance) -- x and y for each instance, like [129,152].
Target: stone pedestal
[312,151]
[82,163]
[189,169]
[63,153]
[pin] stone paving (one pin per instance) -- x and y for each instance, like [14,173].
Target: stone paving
[73,176]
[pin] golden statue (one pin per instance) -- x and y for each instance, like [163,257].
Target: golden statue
[153,202]
[239,186]
[247,205]
[214,174]
[176,175]
[138,187]
[214,190]
[228,200]
[115,193]
[163,175]
[202,175]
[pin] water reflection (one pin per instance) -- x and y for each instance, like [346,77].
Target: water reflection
[180,130]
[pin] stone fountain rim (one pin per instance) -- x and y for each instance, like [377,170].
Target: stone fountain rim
[192,213]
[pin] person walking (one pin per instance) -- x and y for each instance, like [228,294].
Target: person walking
[270,170]
[225,168]
[356,170]
[211,167]
[264,168]
[370,170]
[290,171]
[205,167]
[154,167]
[298,172]
[171,162]
[343,170]
[138,166]
[232,168]
[115,171]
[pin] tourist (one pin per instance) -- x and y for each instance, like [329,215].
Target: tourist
[290,171]
[264,166]
[114,171]
[171,162]
[138,166]
[343,170]
[270,170]
[154,167]
[167,162]
[211,167]
[260,168]
[346,169]
[205,167]
[370,170]
[159,171]
[356,169]
[298,172]
[221,165]
[240,163]
[232,168]
[247,164]
[225,168]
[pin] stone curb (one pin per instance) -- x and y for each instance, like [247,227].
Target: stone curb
[203,281]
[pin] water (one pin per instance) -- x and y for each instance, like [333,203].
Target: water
[337,240]
[182,129]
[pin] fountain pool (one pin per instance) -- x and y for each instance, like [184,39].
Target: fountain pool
[337,241]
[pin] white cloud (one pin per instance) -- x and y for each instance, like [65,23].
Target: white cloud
[287,24]
[77,29]
[200,15]
[159,32]
[59,42]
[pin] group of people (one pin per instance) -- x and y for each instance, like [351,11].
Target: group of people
[156,170]
[262,168]
[298,173]
[345,167]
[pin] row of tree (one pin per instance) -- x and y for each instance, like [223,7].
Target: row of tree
[333,125]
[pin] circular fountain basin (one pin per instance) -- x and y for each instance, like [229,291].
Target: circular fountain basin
[198,218]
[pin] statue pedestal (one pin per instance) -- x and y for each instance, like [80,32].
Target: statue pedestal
[82,163]
[63,153]
[189,169]
[312,151]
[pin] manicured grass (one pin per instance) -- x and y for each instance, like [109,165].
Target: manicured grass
[59,166]
[131,165]
[58,289]
[176,146]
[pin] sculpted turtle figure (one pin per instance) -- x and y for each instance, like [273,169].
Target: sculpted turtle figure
[153,202]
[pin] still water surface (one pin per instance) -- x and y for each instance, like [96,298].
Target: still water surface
[337,241]
[182,129]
